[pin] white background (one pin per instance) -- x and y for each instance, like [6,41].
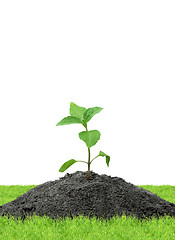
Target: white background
[119,55]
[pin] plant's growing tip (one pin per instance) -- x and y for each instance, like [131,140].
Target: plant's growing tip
[82,116]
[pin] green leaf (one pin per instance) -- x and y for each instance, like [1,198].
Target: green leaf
[105,155]
[66,165]
[69,120]
[90,112]
[90,137]
[76,111]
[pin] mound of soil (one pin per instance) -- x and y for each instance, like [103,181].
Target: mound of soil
[101,196]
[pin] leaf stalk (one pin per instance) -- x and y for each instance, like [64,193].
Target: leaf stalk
[95,158]
[81,161]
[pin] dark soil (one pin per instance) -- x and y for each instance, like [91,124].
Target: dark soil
[102,196]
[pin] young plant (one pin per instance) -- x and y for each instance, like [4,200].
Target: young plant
[82,116]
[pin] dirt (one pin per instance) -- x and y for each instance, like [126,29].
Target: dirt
[102,196]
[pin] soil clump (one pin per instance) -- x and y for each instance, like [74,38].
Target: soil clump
[102,196]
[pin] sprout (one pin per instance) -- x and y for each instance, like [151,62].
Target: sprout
[82,116]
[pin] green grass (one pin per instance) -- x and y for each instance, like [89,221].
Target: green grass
[83,228]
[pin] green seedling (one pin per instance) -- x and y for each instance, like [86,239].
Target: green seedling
[82,116]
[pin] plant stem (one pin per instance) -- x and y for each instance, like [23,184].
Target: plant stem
[89,163]
[89,156]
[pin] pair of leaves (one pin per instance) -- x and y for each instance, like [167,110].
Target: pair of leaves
[69,163]
[79,115]
[83,115]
